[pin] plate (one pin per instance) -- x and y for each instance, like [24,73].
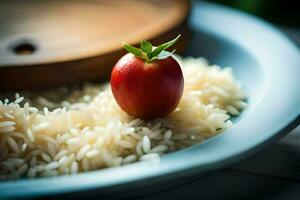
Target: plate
[264,61]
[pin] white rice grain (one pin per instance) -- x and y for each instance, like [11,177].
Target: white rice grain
[7,123]
[30,135]
[52,166]
[73,141]
[51,149]
[149,156]
[24,147]
[168,135]
[7,129]
[13,144]
[41,127]
[139,148]
[129,159]
[81,153]
[146,144]
[93,153]
[74,167]
[85,164]
[19,100]
[159,149]
[17,95]
[69,160]
[60,154]
[62,160]
[46,157]
[232,110]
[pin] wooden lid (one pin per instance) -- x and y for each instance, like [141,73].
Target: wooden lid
[49,43]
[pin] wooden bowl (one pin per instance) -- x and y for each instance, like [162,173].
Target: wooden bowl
[50,43]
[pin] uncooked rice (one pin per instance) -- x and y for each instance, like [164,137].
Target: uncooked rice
[81,128]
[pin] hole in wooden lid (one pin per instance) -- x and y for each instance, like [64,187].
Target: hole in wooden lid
[24,48]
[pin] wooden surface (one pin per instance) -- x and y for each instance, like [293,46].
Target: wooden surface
[50,43]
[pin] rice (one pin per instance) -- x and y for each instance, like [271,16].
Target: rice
[7,129]
[72,130]
[74,167]
[146,144]
[46,157]
[7,124]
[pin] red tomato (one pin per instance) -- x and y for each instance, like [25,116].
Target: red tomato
[147,90]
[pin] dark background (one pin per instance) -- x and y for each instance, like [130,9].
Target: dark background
[279,11]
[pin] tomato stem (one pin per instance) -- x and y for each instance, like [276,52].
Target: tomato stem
[149,53]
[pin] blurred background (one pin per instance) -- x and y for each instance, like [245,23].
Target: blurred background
[285,15]
[277,11]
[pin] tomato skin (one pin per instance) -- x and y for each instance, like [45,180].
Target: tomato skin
[147,90]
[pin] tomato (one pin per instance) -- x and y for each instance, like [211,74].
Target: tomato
[147,87]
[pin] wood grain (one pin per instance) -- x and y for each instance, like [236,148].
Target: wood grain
[50,43]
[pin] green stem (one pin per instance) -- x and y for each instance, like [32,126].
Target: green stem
[148,53]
